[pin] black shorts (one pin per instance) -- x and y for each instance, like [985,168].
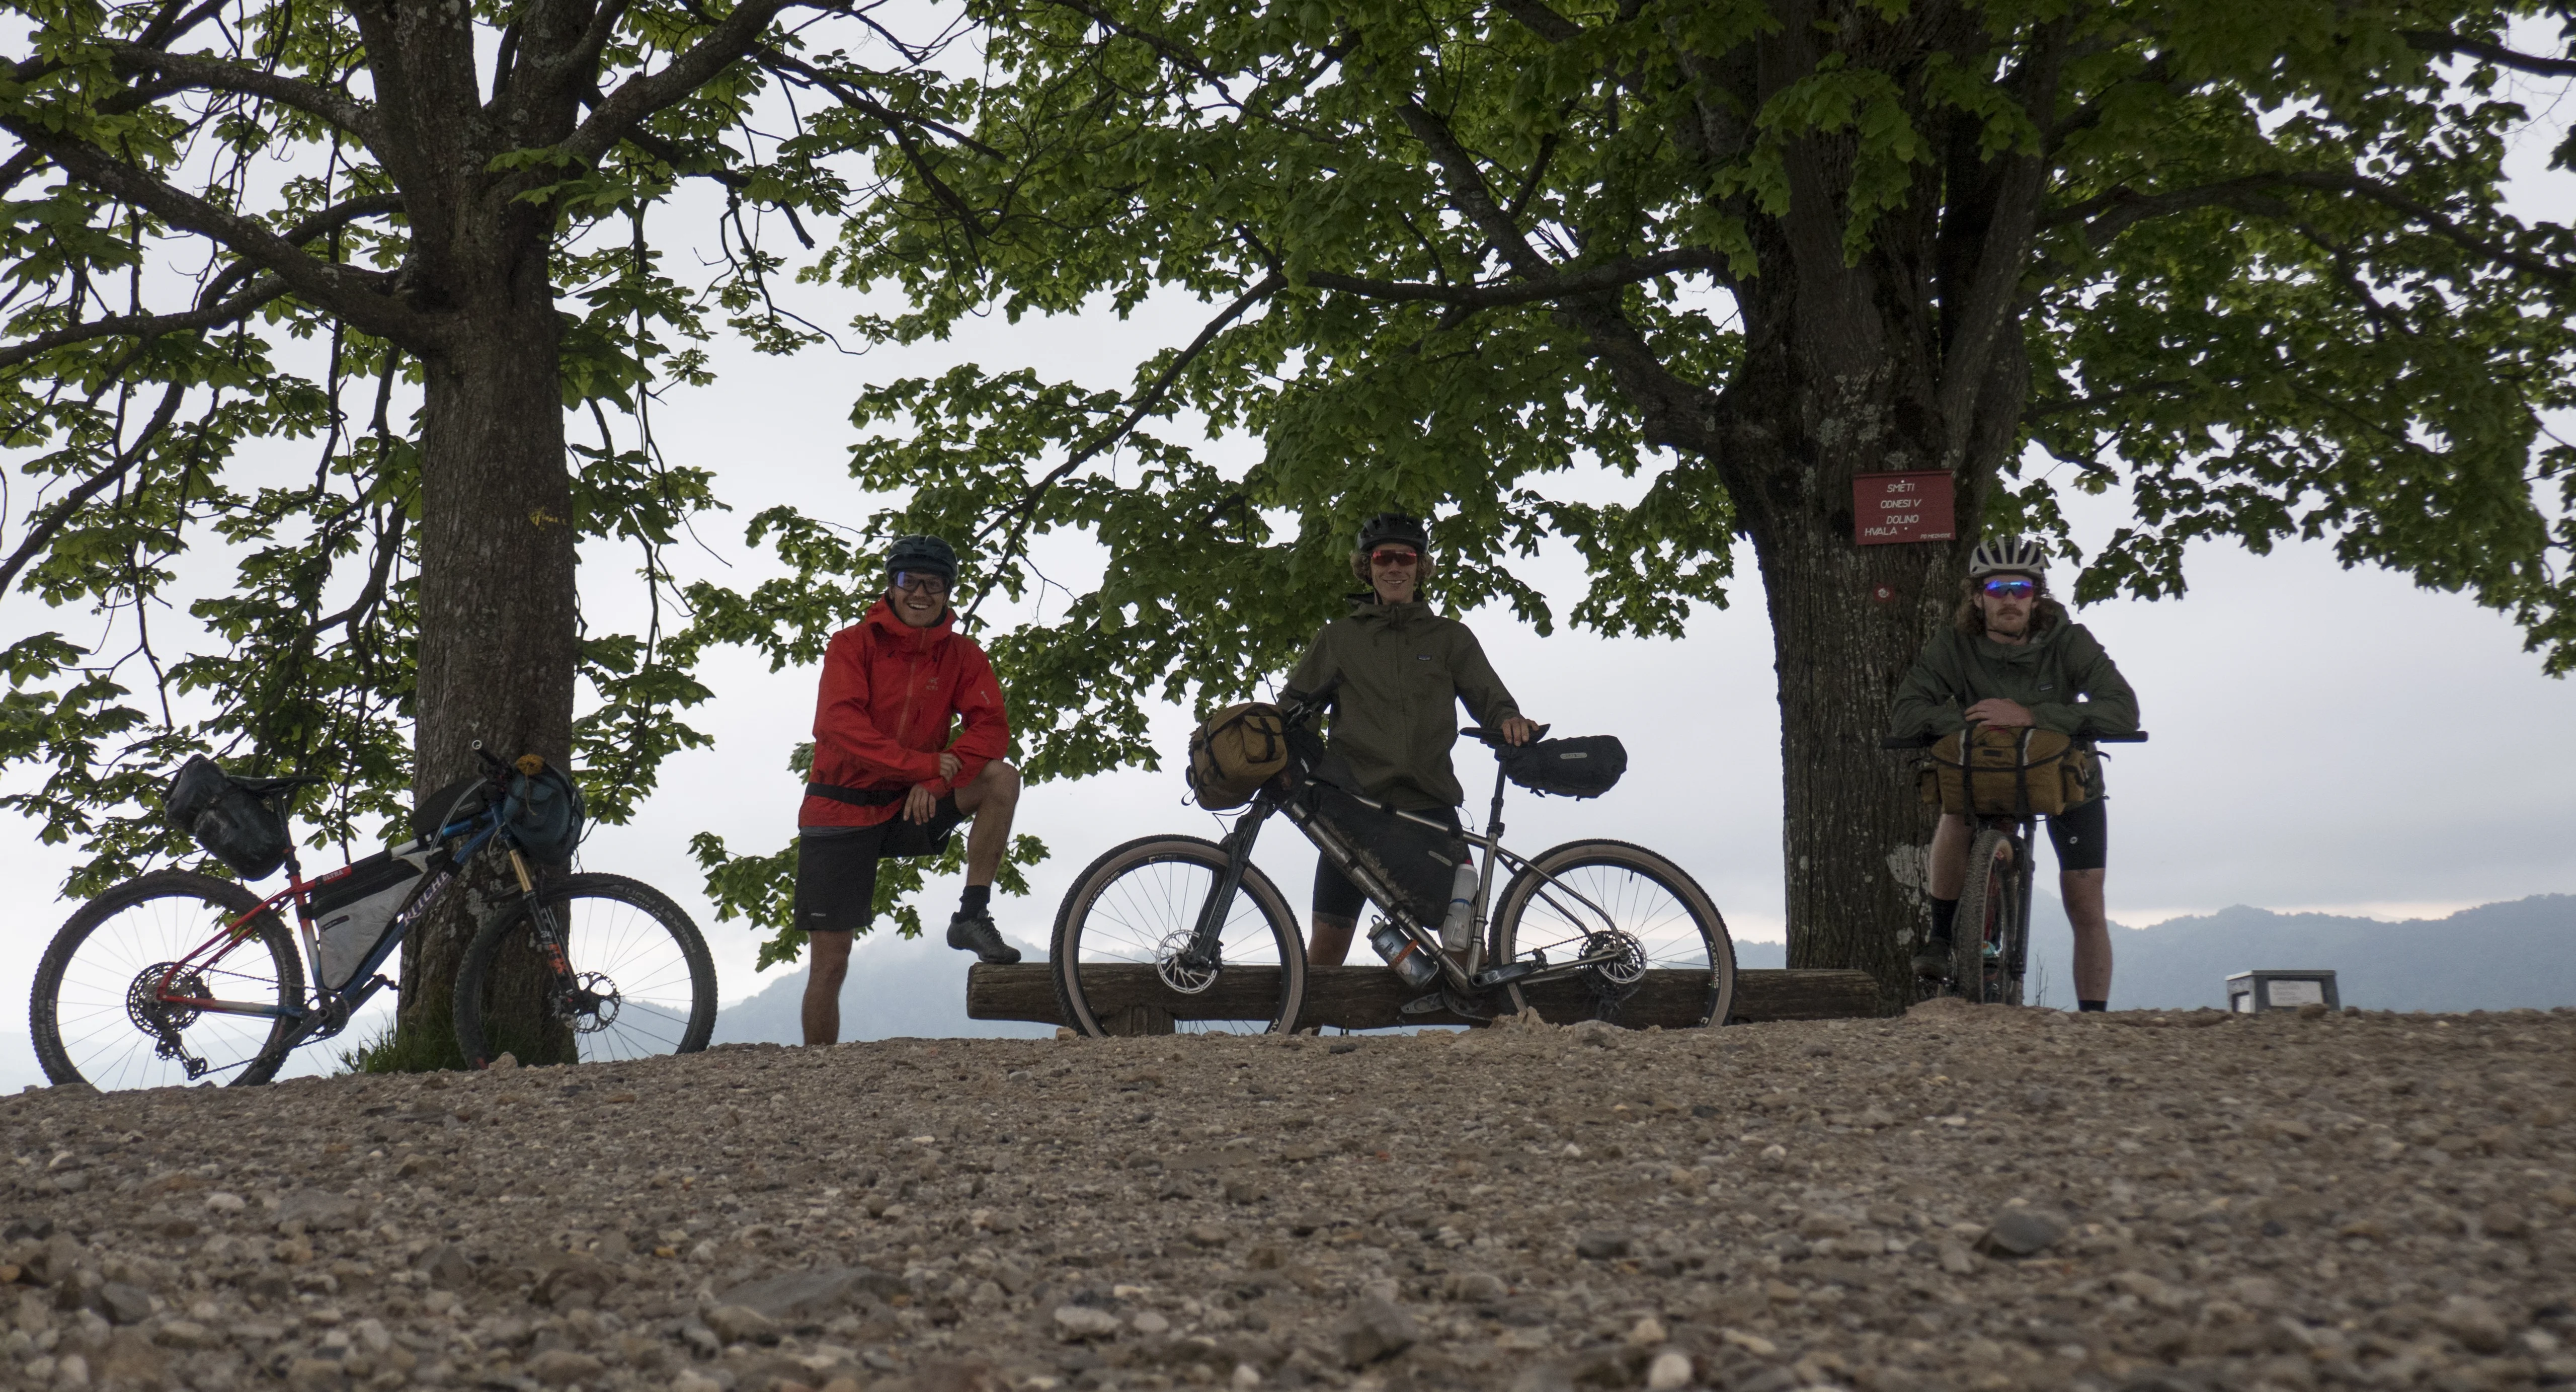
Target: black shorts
[2082,836]
[1337,897]
[836,867]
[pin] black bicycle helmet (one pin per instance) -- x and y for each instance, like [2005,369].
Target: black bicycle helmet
[2009,555]
[926,554]
[1393,526]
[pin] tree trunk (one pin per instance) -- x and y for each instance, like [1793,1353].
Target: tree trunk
[498,614]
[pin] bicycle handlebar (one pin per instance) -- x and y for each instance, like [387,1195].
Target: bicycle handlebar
[1927,741]
[1492,737]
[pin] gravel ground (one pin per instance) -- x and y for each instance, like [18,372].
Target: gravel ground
[1963,1198]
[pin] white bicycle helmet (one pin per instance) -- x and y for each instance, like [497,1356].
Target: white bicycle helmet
[2016,555]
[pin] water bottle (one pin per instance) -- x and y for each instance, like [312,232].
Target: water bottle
[1402,953]
[1462,908]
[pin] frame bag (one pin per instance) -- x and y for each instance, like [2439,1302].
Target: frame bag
[237,828]
[354,906]
[1575,768]
[1420,863]
[2028,772]
[1235,752]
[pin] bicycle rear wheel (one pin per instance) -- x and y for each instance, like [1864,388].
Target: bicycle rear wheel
[1120,931]
[638,982]
[1990,913]
[99,1012]
[1572,898]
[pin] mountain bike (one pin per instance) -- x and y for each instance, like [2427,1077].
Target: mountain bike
[178,977]
[1151,928]
[1988,966]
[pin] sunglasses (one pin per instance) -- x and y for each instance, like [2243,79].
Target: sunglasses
[2011,589]
[1394,556]
[917,581]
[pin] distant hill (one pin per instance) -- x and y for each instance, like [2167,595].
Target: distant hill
[895,990]
[2493,957]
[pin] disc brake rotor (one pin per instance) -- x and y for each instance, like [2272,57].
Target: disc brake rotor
[595,1003]
[1615,962]
[1172,965]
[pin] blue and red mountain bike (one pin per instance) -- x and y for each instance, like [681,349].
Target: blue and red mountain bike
[179,977]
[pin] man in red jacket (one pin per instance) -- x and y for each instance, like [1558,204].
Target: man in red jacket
[888,779]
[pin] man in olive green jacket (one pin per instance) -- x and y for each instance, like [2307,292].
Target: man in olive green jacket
[1403,671]
[2013,658]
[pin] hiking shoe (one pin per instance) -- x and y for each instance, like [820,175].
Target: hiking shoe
[975,933]
[1933,959]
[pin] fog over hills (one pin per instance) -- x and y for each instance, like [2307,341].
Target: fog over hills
[2493,957]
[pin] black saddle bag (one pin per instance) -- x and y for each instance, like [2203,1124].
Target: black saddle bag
[242,830]
[1584,767]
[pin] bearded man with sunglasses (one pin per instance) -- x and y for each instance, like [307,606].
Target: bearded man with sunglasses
[909,733]
[2012,658]
[1403,671]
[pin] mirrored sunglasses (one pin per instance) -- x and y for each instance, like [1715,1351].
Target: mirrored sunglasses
[2011,589]
[1394,556]
[920,581]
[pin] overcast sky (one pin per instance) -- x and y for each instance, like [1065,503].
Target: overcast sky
[2323,739]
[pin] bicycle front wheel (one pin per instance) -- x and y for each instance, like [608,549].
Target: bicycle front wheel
[1120,940]
[1989,919]
[127,994]
[1669,951]
[635,982]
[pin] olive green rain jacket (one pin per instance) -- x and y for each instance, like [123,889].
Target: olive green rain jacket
[2061,675]
[1395,715]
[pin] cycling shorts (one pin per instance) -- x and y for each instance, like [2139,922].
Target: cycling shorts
[2082,836]
[1337,897]
[836,867]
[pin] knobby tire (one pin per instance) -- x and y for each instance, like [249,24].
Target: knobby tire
[1687,934]
[1126,905]
[1987,905]
[180,909]
[668,982]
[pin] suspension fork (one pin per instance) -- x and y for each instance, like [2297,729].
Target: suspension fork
[549,934]
[1206,950]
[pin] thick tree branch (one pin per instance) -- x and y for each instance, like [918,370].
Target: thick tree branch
[1676,412]
[732,38]
[356,295]
[2441,41]
[1585,280]
[1986,313]
[1025,509]
[1541,20]
[214,74]
[2112,213]
[59,514]
[2441,223]
[146,326]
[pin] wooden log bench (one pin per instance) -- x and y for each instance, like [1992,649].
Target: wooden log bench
[1132,1001]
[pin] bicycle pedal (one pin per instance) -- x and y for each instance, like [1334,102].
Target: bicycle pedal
[1431,1004]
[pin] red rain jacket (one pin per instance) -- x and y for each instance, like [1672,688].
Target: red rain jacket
[882,719]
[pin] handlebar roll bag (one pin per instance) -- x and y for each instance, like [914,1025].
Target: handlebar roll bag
[243,831]
[1235,752]
[1584,767]
[2027,772]
[545,814]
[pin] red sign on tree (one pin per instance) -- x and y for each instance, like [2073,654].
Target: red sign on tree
[1902,507]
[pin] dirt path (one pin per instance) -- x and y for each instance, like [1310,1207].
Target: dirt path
[1960,1199]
